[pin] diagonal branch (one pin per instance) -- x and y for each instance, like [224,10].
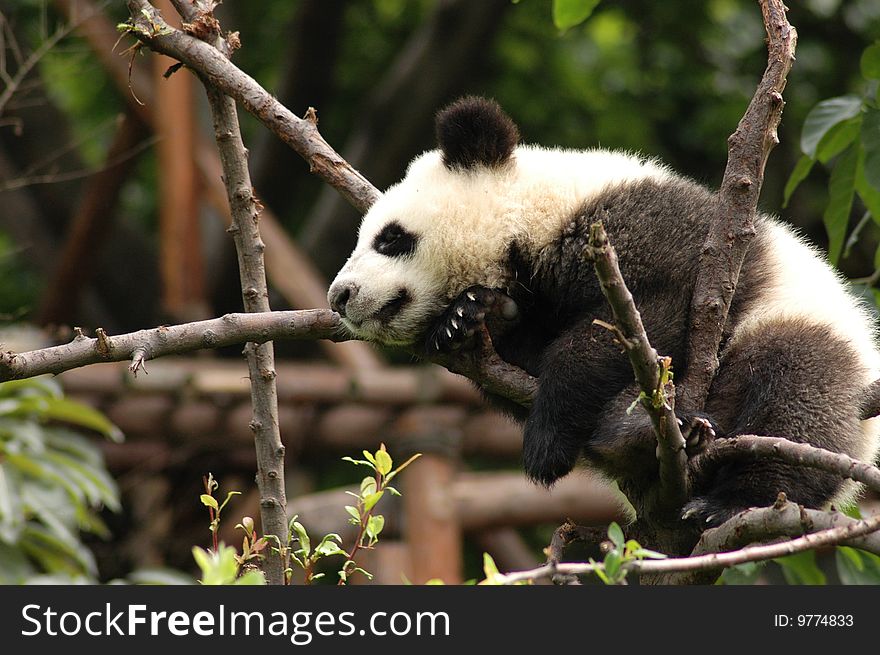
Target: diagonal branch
[849,532]
[658,394]
[732,226]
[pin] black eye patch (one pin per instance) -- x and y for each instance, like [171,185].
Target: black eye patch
[395,241]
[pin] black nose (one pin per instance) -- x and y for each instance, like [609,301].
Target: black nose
[341,295]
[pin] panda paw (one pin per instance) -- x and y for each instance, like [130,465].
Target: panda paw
[707,512]
[698,433]
[463,318]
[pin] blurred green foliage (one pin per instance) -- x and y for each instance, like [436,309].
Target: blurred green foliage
[53,483]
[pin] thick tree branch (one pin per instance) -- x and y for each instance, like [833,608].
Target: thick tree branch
[732,226]
[763,524]
[161,341]
[485,367]
[800,454]
[786,519]
[658,395]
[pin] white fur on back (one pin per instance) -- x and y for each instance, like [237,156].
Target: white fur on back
[803,285]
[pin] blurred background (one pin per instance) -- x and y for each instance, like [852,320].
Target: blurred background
[113,215]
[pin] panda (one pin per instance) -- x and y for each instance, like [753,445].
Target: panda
[483,223]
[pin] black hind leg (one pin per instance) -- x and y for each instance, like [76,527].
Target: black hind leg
[782,379]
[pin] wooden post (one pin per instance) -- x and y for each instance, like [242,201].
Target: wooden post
[181,258]
[431,525]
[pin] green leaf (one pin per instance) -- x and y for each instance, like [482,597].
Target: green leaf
[67,411]
[867,193]
[43,386]
[644,553]
[209,501]
[98,486]
[857,567]
[305,544]
[599,572]
[615,534]
[218,568]
[359,462]
[375,525]
[490,569]
[57,554]
[252,578]
[612,564]
[383,462]
[838,138]
[330,545]
[742,574]
[871,143]
[801,569]
[824,116]
[355,514]
[12,519]
[370,457]
[371,500]
[568,13]
[870,62]
[841,190]
[368,486]
[229,496]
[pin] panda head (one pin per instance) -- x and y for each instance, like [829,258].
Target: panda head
[445,226]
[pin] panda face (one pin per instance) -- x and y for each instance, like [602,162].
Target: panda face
[424,241]
[385,291]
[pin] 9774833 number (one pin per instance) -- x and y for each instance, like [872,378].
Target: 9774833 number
[813,620]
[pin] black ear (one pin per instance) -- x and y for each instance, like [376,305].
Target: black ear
[473,131]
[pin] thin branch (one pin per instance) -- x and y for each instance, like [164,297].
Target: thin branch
[161,341]
[249,246]
[657,398]
[485,367]
[732,226]
[711,561]
[290,270]
[28,64]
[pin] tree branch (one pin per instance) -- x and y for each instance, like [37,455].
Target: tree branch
[732,226]
[763,524]
[800,454]
[255,295]
[161,341]
[846,533]
[786,519]
[658,395]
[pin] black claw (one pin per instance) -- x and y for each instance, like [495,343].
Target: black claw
[698,433]
[461,320]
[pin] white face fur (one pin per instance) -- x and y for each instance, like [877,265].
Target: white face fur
[424,241]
